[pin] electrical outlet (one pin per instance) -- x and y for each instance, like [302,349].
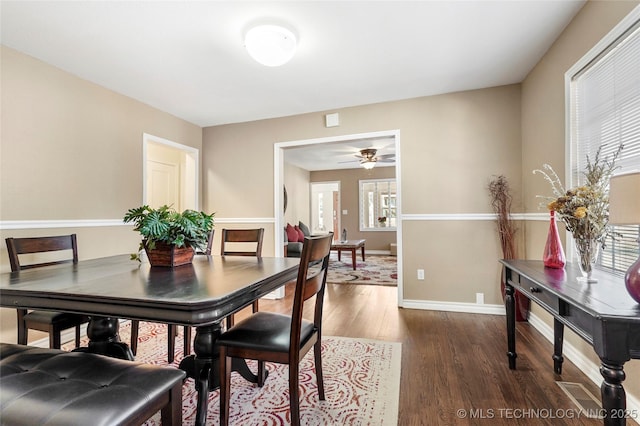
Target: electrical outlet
[421,274]
[480,298]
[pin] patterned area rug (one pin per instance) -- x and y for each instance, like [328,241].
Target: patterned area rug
[361,379]
[375,270]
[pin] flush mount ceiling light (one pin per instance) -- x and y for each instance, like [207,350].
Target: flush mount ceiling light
[270,45]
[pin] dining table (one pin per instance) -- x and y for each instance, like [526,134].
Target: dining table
[200,294]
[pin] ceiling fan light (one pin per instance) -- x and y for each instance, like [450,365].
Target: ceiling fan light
[270,45]
[368,164]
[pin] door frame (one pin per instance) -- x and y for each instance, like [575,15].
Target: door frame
[278,182]
[190,152]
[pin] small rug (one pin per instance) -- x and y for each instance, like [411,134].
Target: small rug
[375,270]
[361,379]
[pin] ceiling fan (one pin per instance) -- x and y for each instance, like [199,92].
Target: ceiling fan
[368,158]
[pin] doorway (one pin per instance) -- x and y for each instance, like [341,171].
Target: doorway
[279,149]
[170,174]
[325,207]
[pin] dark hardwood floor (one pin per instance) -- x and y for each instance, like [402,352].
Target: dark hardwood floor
[453,363]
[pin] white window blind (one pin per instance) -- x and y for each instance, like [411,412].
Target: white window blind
[605,112]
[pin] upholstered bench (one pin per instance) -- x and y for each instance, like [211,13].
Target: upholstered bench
[53,387]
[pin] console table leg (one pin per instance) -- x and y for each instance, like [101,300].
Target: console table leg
[353,258]
[614,398]
[510,305]
[558,339]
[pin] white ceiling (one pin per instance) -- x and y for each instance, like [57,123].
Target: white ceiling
[187,57]
[339,155]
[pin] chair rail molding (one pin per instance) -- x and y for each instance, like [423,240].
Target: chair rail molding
[98,223]
[66,223]
[244,220]
[473,216]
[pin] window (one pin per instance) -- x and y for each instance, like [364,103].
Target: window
[378,205]
[604,107]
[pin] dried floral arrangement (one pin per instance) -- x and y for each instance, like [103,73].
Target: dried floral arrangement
[501,203]
[584,209]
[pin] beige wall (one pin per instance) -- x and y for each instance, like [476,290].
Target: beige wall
[450,146]
[72,150]
[543,130]
[297,182]
[349,195]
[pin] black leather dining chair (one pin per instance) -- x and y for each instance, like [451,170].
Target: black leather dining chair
[284,339]
[230,240]
[47,321]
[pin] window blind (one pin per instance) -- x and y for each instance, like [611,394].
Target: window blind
[605,112]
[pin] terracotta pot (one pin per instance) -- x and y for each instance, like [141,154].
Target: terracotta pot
[168,255]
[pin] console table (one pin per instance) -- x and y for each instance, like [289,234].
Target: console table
[602,313]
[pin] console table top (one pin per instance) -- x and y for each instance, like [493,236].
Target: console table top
[607,297]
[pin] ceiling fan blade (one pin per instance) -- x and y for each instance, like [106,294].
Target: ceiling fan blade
[384,156]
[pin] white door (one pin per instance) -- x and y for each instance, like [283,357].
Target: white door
[170,174]
[163,185]
[325,199]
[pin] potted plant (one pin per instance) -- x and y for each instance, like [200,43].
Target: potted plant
[170,238]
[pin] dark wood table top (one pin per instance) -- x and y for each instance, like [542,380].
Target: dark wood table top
[606,298]
[201,293]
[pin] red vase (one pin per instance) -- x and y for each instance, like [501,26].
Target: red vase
[553,256]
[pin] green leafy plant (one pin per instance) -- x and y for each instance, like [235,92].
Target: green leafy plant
[164,225]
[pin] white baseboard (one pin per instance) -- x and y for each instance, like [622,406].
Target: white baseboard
[68,335]
[470,308]
[378,252]
[276,294]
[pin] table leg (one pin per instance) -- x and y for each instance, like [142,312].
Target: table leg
[510,305]
[558,338]
[22,328]
[614,398]
[353,258]
[339,252]
[104,339]
[203,367]
[362,250]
